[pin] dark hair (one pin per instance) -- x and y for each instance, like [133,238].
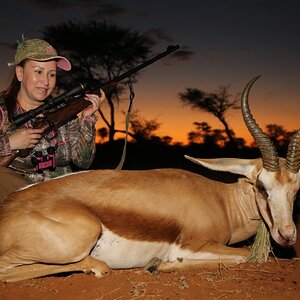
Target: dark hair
[10,95]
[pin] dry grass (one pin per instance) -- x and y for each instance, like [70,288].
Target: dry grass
[261,247]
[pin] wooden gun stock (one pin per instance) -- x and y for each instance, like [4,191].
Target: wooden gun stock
[69,111]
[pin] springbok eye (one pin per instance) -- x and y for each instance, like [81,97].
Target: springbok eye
[261,189]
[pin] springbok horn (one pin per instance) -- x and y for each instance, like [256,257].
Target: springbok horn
[267,149]
[292,162]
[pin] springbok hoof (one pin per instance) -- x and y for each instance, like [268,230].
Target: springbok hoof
[152,265]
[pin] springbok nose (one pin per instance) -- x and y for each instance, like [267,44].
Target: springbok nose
[288,232]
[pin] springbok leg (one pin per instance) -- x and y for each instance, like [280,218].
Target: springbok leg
[210,256]
[88,264]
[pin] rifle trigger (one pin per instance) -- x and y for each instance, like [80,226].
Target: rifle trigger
[50,129]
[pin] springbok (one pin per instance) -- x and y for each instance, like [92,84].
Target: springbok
[164,219]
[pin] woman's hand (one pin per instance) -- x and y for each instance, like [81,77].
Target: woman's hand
[96,101]
[25,138]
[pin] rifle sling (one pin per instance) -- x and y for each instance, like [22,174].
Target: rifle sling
[127,121]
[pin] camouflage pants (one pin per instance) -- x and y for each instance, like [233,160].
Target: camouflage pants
[10,181]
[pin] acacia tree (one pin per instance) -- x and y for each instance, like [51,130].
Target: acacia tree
[142,129]
[280,136]
[206,135]
[99,52]
[214,103]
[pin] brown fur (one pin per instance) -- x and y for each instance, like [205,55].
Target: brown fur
[175,211]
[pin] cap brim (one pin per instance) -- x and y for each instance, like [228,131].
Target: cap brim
[62,62]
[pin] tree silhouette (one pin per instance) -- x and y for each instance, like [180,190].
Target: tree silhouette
[214,103]
[102,133]
[204,134]
[99,52]
[142,129]
[211,137]
[279,136]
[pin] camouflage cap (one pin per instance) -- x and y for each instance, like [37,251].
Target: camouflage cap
[40,50]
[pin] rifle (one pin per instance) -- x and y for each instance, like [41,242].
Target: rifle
[62,109]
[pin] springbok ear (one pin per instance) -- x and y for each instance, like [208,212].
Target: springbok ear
[246,167]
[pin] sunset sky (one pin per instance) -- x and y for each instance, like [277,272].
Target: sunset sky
[227,42]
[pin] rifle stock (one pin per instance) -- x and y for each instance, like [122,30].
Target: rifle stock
[73,102]
[63,115]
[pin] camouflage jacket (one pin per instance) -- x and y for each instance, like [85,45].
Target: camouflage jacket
[74,142]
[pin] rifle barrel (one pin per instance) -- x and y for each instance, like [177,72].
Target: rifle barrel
[169,50]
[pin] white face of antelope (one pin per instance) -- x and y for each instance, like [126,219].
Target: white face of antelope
[276,193]
[278,182]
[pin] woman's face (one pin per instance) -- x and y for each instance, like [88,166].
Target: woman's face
[38,79]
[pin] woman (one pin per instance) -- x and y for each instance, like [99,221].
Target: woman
[36,63]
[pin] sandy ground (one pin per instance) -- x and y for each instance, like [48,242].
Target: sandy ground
[278,280]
